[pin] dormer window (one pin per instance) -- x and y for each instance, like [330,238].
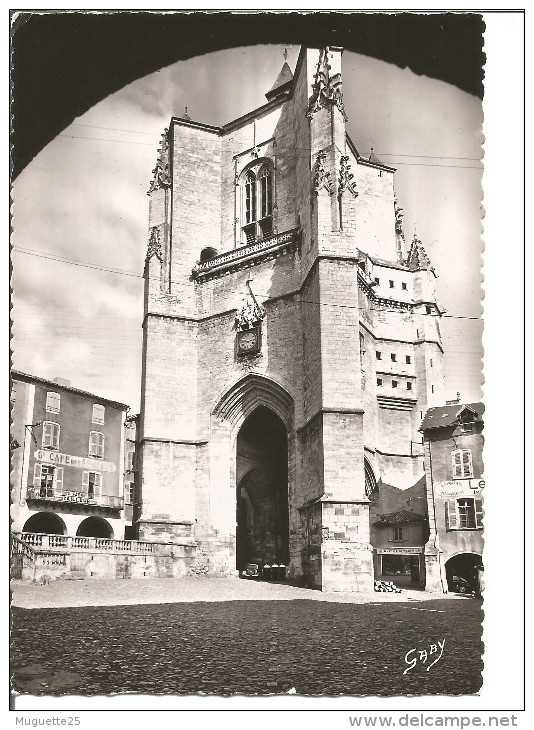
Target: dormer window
[466,420]
[257,202]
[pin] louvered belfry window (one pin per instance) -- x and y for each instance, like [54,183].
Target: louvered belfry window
[258,202]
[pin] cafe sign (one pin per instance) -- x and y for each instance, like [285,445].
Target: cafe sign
[82,462]
[462,488]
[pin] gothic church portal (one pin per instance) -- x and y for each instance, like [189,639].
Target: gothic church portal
[291,338]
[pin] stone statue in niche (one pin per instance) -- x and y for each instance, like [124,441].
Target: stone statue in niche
[399,215]
[251,313]
[154,245]
[321,176]
[345,178]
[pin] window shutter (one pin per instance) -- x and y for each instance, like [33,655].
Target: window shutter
[479,513]
[98,485]
[53,402]
[37,475]
[85,482]
[96,444]
[59,478]
[467,467]
[451,517]
[456,464]
[46,434]
[98,413]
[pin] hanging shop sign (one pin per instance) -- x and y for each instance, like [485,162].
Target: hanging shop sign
[82,462]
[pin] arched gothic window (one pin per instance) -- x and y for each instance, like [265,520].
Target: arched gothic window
[257,191]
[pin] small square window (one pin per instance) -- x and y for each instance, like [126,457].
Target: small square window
[394,383]
[408,386]
[378,355]
[428,309]
[391,284]
[377,280]
[408,359]
[393,357]
[404,285]
[379,381]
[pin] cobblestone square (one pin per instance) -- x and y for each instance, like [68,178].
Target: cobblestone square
[249,647]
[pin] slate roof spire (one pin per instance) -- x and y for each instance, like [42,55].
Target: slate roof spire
[282,84]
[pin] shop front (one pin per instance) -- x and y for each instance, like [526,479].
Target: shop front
[402,566]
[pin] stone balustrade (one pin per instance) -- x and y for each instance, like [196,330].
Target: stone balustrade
[67,543]
[242,255]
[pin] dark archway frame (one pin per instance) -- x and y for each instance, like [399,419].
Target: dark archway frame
[65,62]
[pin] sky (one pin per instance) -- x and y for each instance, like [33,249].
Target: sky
[80,213]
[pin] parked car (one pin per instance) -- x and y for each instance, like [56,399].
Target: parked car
[460,585]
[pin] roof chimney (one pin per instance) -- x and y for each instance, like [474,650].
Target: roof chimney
[62,381]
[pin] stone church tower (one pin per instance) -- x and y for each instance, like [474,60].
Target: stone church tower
[291,342]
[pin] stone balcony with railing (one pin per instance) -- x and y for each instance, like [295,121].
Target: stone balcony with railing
[249,254]
[73,499]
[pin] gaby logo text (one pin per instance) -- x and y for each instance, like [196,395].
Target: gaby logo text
[422,655]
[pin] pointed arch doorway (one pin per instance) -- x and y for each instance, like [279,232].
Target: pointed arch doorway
[262,511]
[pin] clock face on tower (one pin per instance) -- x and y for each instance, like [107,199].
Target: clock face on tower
[248,341]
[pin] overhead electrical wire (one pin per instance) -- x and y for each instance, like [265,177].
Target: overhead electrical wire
[72,262]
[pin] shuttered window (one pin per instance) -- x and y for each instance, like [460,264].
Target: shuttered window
[462,464]
[451,519]
[96,444]
[47,478]
[130,460]
[98,413]
[92,484]
[129,492]
[464,513]
[53,402]
[50,435]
